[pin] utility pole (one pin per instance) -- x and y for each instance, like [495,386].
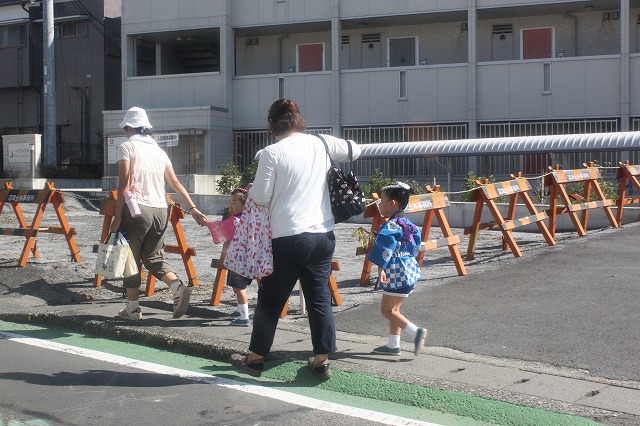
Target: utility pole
[49,81]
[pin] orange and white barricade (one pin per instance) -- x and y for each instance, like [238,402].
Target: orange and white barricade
[432,204]
[627,173]
[485,194]
[557,180]
[42,197]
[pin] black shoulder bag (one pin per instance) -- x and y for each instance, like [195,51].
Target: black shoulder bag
[345,193]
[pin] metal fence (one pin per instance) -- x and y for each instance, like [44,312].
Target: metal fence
[451,172]
[543,128]
[248,142]
[422,170]
[187,156]
[531,164]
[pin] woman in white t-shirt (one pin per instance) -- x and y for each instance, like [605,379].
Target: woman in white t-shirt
[291,180]
[142,169]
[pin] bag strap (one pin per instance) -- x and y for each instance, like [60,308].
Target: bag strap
[117,238]
[326,147]
[133,178]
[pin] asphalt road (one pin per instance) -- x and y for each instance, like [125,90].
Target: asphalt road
[43,386]
[572,305]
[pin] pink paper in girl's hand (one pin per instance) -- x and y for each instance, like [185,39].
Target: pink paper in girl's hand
[222,230]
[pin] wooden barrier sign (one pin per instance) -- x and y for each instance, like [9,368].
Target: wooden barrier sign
[175,215]
[485,194]
[425,202]
[432,204]
[221,278]
[49,195]
[558,179]
[627,172]
[336,299]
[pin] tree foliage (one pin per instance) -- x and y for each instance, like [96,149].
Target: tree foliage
[229,177]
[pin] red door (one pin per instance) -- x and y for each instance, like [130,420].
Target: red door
[536,43]
[310,57]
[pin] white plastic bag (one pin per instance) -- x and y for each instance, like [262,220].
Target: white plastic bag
[112,257]
[130,266]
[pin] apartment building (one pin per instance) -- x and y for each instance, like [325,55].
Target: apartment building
[87,74]
[379,71]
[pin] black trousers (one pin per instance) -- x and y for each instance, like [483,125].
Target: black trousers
[306,257]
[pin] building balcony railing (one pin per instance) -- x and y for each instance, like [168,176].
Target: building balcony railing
[562,88]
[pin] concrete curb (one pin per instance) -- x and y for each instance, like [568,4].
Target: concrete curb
[193,337]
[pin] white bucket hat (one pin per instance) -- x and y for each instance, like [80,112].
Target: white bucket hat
[135,117]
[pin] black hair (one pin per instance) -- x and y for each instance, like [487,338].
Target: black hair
[400,192]
[143,131]
[242,192]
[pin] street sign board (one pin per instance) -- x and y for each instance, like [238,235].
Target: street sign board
[170,139]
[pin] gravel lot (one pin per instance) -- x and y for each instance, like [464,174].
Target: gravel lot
[65,282]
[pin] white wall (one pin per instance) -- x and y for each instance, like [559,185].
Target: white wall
[252,97]
[634,84]
[579,87]
[269,12]
[149,16]
[175,91]
[361,8]
[434,93]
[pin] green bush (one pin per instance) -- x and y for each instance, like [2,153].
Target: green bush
[376,182]
[248,174]
[420,189]
[230,177]
[609,189]
[470,183]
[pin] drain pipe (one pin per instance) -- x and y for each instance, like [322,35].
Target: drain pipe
[282,37]
[574,18]
[448,168]
[83,119]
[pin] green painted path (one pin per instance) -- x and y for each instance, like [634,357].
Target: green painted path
[346,388]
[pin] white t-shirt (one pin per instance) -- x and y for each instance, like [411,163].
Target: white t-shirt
[291,180]
[148,162]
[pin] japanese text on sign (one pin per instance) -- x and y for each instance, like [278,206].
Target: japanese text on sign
[20,198]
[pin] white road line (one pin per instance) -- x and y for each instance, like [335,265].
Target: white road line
[279,395]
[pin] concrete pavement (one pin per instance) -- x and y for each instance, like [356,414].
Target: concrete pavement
[557,328]
[533,384]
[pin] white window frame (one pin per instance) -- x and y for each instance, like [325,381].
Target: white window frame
[415,53]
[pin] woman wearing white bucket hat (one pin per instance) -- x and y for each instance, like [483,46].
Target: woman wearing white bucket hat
[142,169]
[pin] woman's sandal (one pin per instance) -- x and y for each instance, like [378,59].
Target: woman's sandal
[321,370]
[253,369]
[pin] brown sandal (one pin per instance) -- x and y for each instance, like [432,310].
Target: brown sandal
[321,370]
[253,369]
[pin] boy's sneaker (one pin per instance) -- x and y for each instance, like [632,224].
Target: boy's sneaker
[235,314]
[181,301]
[418,342]
[241,322]
[132,316]
[386,350]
